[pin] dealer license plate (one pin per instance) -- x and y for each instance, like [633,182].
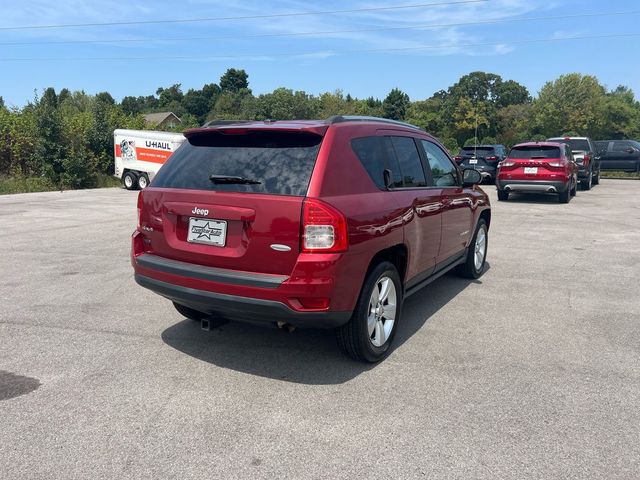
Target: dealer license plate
[531,170]
[207,231]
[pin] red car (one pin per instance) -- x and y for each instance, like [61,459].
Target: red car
[543,167]
[326,224]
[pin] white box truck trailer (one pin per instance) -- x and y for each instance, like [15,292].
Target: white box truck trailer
[139,154]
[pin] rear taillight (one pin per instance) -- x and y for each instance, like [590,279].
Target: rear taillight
[556,163]
[458,159]
[492,158]
[507,163]
[324,229]
[586,160]
[140,209]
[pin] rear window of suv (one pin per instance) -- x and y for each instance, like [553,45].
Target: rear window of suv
[575,144]
[281,162]
[537,151]
[482,150]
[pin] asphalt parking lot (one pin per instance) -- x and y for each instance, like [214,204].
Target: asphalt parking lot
[531,372]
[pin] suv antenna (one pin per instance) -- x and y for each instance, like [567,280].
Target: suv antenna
[475,138]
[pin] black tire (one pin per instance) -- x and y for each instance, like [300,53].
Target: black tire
[503,195]
[130,180]
[354,338]
[468,268]
[143,181]
[586,183]
[574,189]
[596,178]
[190,313]
[564,197]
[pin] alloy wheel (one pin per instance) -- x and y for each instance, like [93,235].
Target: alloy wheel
[382,311]
[480,248]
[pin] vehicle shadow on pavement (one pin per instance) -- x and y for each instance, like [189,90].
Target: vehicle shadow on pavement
[304,356]
[541,198]
[422,305]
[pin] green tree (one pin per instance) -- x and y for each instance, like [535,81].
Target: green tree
[132,105]
[231,106]
[395,105]
[169,96]
[234,80]
[620,115]
[80,164]
[50,146]
[99,133]
[572,102]
[427,114]
[514,124]
[196,104]
[511,93]
[285,104]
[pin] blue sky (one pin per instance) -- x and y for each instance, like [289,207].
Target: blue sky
[367,53]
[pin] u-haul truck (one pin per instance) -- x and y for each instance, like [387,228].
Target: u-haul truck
[139,154]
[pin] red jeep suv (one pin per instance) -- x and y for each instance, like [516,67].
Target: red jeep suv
[542,167]
[326,224]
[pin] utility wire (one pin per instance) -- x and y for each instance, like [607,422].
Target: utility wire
[322,53]
[243,17]
[330,32]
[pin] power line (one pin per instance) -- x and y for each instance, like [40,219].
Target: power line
[243,17]
[322,53]
[330,32]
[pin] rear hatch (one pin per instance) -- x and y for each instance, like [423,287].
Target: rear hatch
[533,162]
[232,198]
[579,148]
[473,157]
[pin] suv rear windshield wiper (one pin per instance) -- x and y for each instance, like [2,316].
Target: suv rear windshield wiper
[232,180]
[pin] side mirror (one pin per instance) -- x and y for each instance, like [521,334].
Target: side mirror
[471,177]
[630,150]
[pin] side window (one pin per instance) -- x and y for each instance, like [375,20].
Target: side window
[444,173]
[621,146]
[370,151]
[409,160]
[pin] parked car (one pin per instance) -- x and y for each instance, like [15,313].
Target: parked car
[544,167]
[484,158]
[622,155]
[327,223]
[586,156]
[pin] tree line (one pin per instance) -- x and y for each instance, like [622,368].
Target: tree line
[66,137]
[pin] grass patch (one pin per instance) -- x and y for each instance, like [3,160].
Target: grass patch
[614,174]
[107,181]
[10,185]
[25,184]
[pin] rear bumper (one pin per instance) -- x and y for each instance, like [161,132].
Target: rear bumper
[542,186]
[240,308]
[319,293]
[583,173]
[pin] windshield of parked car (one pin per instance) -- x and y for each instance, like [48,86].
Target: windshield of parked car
[576,145]
[535,151]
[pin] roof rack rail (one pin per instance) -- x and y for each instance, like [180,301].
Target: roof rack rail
[215,123]
[362,118]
